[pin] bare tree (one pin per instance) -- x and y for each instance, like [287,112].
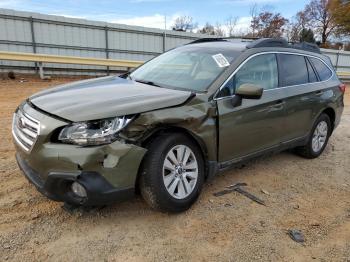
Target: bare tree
[207,29]
[231,23]
[297,24]
[219,30]
[322,20]
[270,24]
[253,11]
[184,23]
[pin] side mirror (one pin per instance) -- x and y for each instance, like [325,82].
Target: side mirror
[249,91]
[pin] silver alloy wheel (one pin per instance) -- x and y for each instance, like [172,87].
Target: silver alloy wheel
[319,136]
[180,171]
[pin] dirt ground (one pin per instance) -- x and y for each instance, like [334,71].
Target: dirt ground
[310,195]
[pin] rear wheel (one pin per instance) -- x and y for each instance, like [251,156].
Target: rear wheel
[318,139]
[173,173]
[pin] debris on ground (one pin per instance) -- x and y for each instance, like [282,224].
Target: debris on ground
[237,188]
[35,216]
[265,192]
[296,206]
[315,224]
[231,189]
[296,235]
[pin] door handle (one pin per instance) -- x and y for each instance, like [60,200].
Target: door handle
[319,92]
[278,105]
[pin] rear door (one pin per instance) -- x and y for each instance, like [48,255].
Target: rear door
[294,78]
[254,125]
[305,90]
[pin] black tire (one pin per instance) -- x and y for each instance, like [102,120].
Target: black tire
[307,150]
[151,182]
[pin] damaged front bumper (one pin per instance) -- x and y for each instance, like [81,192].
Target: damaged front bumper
[57,186]
[107,172]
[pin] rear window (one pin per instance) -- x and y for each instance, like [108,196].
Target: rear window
[293,70]
[323,71]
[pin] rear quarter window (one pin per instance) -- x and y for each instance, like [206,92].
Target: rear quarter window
[312,74]
[292,69]
[323,71]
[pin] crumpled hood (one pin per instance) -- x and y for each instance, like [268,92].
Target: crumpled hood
[105,97]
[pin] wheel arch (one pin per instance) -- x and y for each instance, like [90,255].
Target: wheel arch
[147,140]
[331,114]
[176,129]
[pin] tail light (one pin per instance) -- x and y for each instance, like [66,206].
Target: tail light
[342,88]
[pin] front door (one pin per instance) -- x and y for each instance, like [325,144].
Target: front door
[256,124]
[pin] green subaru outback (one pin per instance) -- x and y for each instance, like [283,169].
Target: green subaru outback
[176,121]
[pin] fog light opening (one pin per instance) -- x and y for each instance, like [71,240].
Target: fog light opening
[78,190]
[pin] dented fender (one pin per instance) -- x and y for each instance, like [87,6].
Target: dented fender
[197,118]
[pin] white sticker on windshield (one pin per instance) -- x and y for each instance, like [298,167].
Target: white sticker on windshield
[221,60]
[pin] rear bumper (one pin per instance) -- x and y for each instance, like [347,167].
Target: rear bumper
[57,186]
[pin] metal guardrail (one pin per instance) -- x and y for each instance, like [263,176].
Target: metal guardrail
[344,76]
[44,58]
[343,73]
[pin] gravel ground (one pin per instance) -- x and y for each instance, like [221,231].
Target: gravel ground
[310,195]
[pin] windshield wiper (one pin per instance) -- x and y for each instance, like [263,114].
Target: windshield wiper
[146,82]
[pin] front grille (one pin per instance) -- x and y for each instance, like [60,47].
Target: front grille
[25,130]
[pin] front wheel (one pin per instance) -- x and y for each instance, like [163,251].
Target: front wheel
[173,173]
[318,139]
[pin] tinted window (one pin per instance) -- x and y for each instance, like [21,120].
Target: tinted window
[312,75]
[293,70]
[323,71]
[260,70]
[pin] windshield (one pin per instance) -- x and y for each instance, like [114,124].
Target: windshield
[189,67]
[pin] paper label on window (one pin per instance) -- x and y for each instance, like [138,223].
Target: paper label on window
[221,60]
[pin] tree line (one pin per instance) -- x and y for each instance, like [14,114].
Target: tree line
[328,21]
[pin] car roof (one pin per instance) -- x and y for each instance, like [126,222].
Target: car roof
[244,44]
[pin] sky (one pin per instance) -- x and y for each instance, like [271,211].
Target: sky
[152,13]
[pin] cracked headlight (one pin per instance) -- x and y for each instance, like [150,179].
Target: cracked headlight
[95,132]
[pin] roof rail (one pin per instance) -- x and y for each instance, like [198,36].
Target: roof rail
[268,42]
[203,40]
[307,47]
[280,42]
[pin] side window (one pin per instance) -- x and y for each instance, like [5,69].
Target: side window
[292,69]
[312,74]
[323,71]
[259,70]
